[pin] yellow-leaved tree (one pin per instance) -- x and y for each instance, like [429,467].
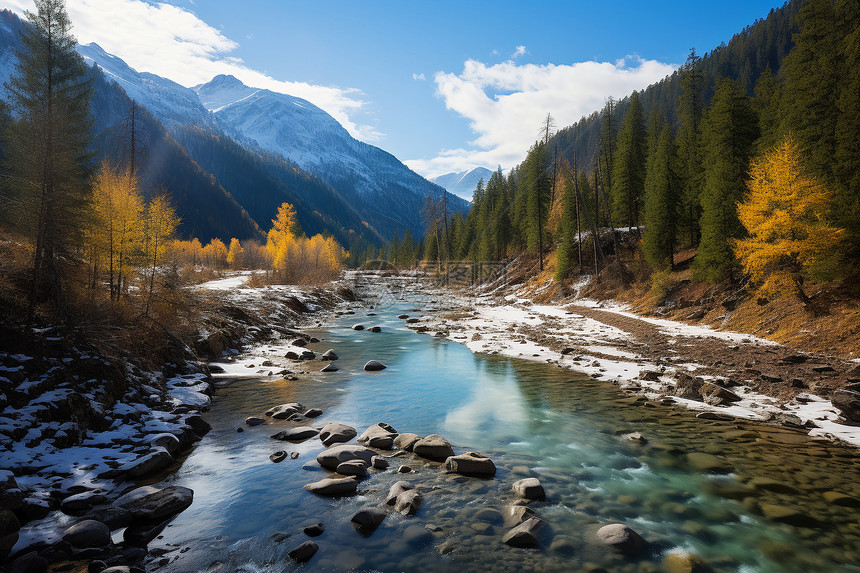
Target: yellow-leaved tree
[160,224]
[298,259]
[234,253]
[790,241]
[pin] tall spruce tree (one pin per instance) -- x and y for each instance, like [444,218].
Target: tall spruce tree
[661,201]
[729,131]
[48,156]
[628,167]
[689,112]
[538,189]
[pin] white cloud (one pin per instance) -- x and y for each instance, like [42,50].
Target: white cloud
[520,51]
[419,77]
[173,42]
[505,103]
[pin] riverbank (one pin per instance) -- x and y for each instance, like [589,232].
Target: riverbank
[722,374]
[83,427]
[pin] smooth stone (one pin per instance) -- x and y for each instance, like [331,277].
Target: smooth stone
[313,413]
[329,368]
[379,436]
[374,366]
[150,502]
[395,490]
[404,470]
[513,515]
[278,457]
[358,327]
[284,411]
[408,502]
[82,501]
[375,329]
[152,462]
[336,455]
[379,463]
[529,488]
[433,447]
[367,520]
[333,487]
[524,534]
[356,468]
[406,441]
[304,552]
[87,533]
[314,529]
[298,434]
[621,538]
[471,464]
[635,438]
[166,440]
[300,342]
[329,355]
[254,421]
[334,433]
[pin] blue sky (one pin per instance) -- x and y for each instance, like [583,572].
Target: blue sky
[442,85]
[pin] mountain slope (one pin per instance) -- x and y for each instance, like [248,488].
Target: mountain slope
[463,184]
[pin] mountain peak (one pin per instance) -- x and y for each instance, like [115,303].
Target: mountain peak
[225,81]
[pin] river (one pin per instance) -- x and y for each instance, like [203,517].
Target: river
[744,497]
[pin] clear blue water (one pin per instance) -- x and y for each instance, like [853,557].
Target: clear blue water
[533,420]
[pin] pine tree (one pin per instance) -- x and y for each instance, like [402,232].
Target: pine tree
[661,200]
[690,109]
[49,145]
[729,131]
[538,195]
[628,168]
[789,240]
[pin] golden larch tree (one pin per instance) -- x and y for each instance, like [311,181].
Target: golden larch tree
[234,253]
[790,241]
[160,225]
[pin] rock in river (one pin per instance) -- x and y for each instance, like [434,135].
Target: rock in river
[299,434]
[87,533]
[367,520]
[621,538]
[408,502]
[379,435]
[278,456]
[254,421]
[355,468]
[333,487]
[406,441]
[374,366]
[524,534]
[330,368]
[304,552]
[513,515]
[433,447]
[471,464]
[395,491]
[529,488]
[334,433]
[157,459]
[336,455]
[329,355]
[150,502]
[358,327]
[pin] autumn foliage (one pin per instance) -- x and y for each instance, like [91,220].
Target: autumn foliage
[790,241]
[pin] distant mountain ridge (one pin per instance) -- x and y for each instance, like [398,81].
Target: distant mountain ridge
[463,184]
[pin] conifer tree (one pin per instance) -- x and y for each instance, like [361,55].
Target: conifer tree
[729,131]
[48,155]
[690,109]
[628,167]
[539,188]
[661,199]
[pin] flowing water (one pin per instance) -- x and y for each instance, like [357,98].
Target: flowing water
[749,498]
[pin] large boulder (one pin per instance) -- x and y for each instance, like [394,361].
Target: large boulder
[395,491]
[471,464]
[374,366]
[87,533]
[304,552]
[333,487]
[688,387]
[621,538]
[354,468]
[329,355]
[513,515]
[336,455]
[406,441]
[334,433]
[367,520]
[717,395]
[379,436]
[157,459]
[284,411]
[81,502]
[150,502]
[848,404]
[529,488]
[407,503]
[298,434]
[433,447]
[525,534]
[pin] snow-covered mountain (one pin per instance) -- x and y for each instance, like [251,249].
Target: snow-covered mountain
[168,101]
[463,184]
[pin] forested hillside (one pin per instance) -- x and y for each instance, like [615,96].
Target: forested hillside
[676,158]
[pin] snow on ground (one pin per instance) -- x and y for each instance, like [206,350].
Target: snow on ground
[235,281]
